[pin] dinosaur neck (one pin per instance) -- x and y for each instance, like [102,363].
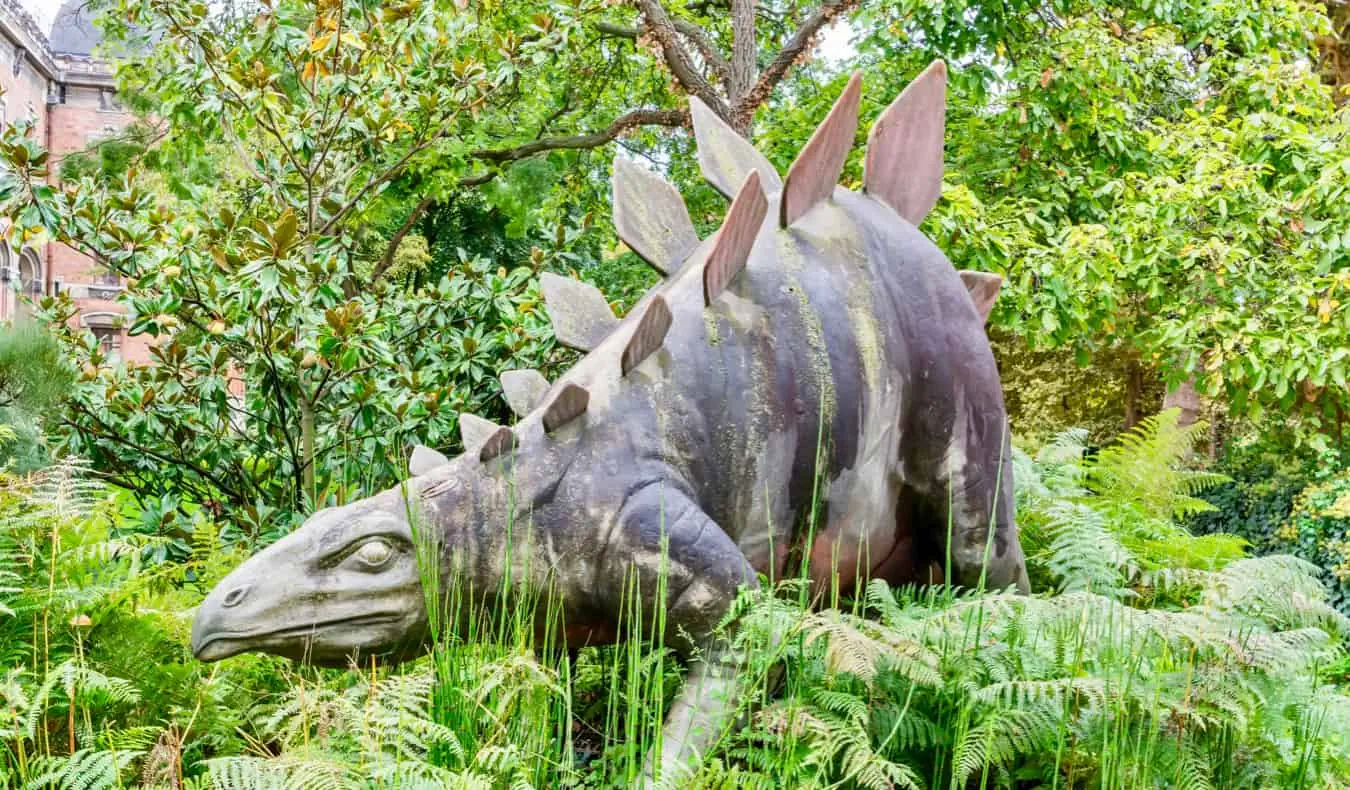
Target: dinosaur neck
[491,520]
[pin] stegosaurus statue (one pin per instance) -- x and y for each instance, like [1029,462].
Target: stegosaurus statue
[810,386]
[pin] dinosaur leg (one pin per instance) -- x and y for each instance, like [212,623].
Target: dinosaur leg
[973,499]
[661,530]
[696,719]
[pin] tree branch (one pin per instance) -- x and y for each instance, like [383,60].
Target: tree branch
[696,35]
[663,30]
[397,239]
[795,47]
[620,125]
[706,49]
[478,180]
[617,30]
[743,49]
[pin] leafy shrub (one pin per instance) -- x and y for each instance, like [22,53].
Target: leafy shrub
[1078,688]
[1318,530]
[1082,515]
[1255,502]
[1285,502]
[98,674]
[384,371]
[33,377]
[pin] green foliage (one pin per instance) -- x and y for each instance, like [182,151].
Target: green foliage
[109,160]
[34,376]
[1285,502]
[1158,181]
[1318,530]
[300,335]
[81,615]
[1256,503]
[1140,469]
[1142,672]
[1046,389]
[291,367]
[1107,521]
[271,388]
[1140,664]
[1160,184]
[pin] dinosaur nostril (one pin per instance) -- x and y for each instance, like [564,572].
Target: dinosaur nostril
[233,597]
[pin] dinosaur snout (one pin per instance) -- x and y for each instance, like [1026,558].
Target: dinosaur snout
[215,631]
[209,623]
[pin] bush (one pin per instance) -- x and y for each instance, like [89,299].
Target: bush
[33,379]
[1318,530]
[99,678]
[1286,503]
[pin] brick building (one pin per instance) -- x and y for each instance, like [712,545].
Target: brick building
[50,75]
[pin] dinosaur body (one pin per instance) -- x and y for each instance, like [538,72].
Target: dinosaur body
[811,387]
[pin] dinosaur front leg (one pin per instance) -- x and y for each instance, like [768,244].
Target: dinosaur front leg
[696,719]
[662,531]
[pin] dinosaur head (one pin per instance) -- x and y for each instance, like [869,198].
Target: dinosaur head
[343,585]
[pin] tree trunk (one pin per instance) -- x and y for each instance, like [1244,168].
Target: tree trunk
[1334,51]
[1134,392]
[1185,398]
[1216,434]
[307,448]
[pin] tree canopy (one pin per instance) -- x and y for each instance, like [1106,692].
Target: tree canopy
[332,217]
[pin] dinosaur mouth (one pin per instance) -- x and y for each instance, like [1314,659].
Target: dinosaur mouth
[224,644]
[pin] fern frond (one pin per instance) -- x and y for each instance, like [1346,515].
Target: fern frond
[86,769]
[1000,737]
[1084,554]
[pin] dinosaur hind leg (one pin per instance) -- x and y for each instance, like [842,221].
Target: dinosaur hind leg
[914,557]
[975,527]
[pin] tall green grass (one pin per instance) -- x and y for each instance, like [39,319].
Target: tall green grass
[1147,658]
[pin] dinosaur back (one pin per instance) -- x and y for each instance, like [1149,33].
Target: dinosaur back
[816,349]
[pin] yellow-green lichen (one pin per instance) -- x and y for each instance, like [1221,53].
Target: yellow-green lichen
[867,334]
[790,257]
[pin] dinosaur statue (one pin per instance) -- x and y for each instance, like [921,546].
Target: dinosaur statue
[810,386]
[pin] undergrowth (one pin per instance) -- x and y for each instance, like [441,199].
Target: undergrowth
[1149,657]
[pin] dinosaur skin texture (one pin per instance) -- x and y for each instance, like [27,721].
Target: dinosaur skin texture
[845,364]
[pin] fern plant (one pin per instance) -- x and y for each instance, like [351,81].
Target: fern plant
[1076,689]
[1149,658]
[1108,522]
[1144,468]
[1160,659]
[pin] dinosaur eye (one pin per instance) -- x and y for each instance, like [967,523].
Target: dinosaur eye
[374,553]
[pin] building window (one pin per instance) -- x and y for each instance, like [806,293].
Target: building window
[106,285]
[30,273]
[106,100]
[107,328]
[109,340]
[20,55]
[30,282]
